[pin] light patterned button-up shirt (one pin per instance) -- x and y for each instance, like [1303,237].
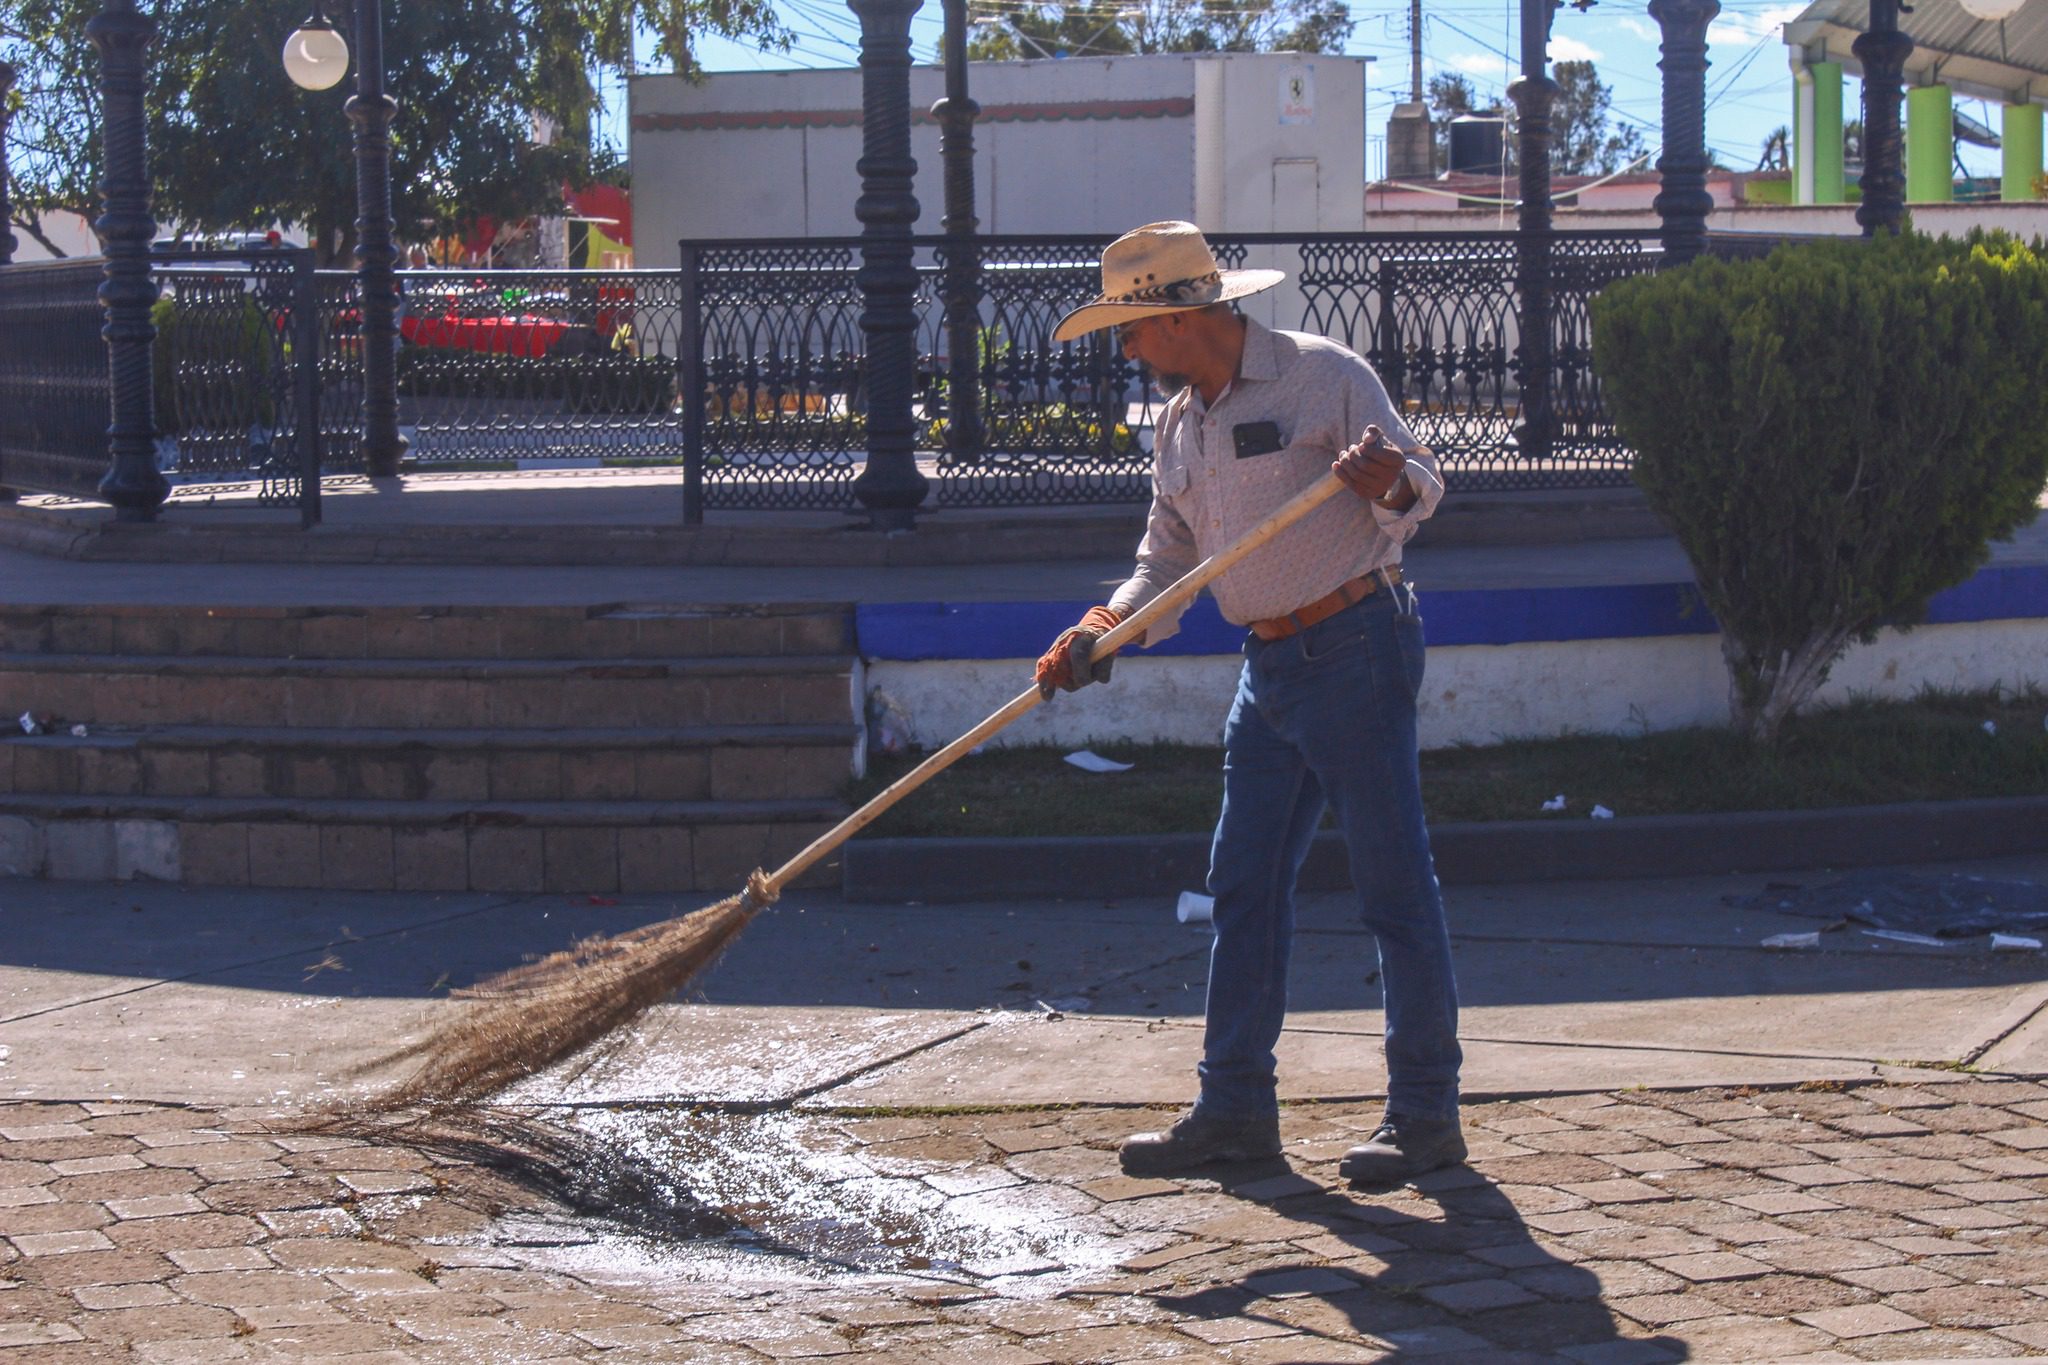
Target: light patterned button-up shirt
[1322,397]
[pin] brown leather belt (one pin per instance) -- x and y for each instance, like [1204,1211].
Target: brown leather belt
[1323,608]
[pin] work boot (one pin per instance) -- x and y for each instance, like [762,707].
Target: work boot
[1198,1138]
[1401,1149]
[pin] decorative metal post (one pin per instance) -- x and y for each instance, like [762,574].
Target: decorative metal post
[1883,51]
[7,242]
[1534,93]
[1683,201]
[6,201]
[133,483]
[956,113]
[890,487]
[376,253]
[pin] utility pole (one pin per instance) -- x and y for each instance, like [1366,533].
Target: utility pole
[1415,51]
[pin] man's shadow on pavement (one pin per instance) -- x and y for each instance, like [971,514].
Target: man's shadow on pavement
[1473,1285]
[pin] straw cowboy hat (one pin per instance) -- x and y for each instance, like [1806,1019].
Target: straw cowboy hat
[1156,269]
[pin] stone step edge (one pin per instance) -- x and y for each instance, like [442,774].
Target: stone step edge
[595,611]
[372,738]
[415,814]
[466,670]
[1478,853]
[577,860]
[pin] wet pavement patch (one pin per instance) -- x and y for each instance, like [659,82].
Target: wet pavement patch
[786,1196]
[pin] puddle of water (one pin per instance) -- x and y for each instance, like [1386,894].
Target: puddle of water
[802,1204]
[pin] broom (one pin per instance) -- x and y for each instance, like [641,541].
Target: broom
[534,1016]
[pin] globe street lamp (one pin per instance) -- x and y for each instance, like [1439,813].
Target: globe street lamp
[316,55]
[316,58]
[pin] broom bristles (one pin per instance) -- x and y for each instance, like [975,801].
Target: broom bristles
[527,1019]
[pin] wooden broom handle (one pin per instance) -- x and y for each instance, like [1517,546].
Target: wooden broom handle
[1126,630]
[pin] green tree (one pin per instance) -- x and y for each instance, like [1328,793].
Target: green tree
[233,144]
[1585,140]
[1835,434]
[1103,29]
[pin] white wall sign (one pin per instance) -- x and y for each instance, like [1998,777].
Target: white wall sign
[1297,94]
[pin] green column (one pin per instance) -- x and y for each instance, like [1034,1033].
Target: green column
[2021,166]
[1817,135]
[1930,145]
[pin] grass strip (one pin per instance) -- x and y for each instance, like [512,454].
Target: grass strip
[1932,748]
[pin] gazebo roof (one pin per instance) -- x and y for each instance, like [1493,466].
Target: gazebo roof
[2005,61]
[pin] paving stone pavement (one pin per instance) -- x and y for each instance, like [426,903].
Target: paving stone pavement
[1822,1223]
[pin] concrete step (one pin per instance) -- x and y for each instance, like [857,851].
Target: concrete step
[613,631]
[705,763]
[574,848]
[422,694]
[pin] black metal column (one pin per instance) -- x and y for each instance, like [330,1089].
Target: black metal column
[6,202]
[1883,51]
[133,483]
[376,253]
[890,488]
[1683,201]
[956,113]
[7,242]
[1534,93]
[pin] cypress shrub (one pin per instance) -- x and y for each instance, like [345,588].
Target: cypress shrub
[1834,433]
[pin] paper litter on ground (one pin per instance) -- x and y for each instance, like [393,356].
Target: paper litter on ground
[2013,943]
[1195,908]
[1808,940]
[1602,813]
[1088,761]
[1555,803]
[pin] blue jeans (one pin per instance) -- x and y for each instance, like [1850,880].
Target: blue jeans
[1327,717]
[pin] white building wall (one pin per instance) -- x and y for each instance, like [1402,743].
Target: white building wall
[1473,694]
[70,231]
[1091,146]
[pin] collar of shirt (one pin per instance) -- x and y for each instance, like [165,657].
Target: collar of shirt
[1258,362]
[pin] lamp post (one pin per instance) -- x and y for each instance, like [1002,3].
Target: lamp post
[133,483]
[1883,51]
[1683,200]
[891,488]
[955,114]
[1534,93]
[6,201]
[316,58]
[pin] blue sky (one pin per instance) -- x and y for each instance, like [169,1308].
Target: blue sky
[1749,85]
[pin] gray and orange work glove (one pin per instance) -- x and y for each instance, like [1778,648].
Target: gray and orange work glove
[1071,662]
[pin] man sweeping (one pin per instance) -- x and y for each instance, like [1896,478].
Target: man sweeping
[1325,707]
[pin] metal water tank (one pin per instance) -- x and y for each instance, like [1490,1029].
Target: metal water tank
[1479,144]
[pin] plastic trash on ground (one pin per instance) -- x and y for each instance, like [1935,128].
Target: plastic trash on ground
[888,727]
[29,724]
[1990,727]
[1602,813]
[1555,803]
[1195,908]
[1950,906]
[1787,941]
[1901,936]
[1088,761]
[78,731]
[2014,943]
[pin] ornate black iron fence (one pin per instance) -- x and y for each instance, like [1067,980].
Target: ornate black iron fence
[776,419]
[238,373]
[509,368]
[234,361]
[53,377]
